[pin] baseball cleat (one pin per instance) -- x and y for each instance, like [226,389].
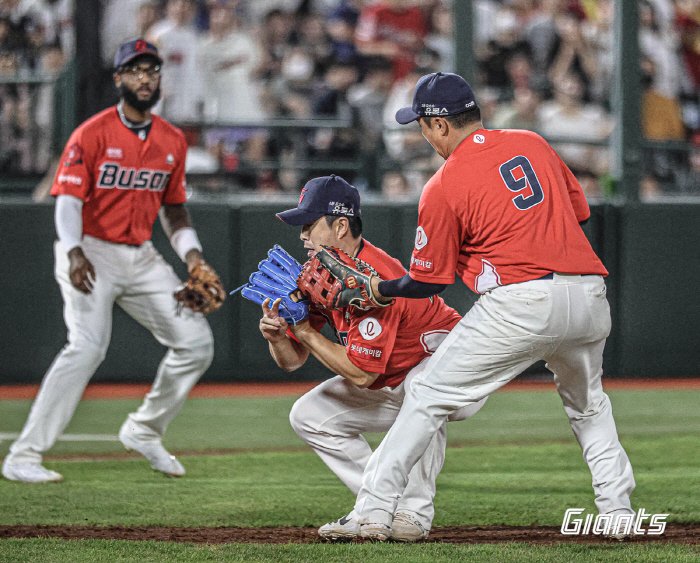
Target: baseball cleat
[375,532]
[345,528]
[160,458]
[407,528]
[30,473]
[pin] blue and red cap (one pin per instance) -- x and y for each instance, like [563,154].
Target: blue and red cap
[135,48]
[436,95]
[327,195]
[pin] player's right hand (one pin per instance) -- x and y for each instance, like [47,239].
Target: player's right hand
[82,272]
[272,325]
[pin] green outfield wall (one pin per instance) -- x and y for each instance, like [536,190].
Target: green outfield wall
[651,251]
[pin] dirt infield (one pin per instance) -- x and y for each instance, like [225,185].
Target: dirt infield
[295,389]
[537,535]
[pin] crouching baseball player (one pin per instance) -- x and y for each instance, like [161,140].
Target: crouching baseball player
[118,170]
[377,355]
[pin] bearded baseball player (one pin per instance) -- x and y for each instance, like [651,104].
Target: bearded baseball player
[119,169]
[377,354]
[503,213]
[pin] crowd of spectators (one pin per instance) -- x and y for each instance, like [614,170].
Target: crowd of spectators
[233,65]
[36,38]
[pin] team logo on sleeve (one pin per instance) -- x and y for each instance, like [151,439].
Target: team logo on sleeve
[421,238]
[74,156]
[424,264]
[369,328]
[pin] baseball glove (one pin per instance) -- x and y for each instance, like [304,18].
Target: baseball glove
[203,292]
[276,279]
[333,279]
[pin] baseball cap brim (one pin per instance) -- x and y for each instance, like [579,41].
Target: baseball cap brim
[299,217]
[406,115]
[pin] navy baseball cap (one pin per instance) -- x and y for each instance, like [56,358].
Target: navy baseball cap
[436,95]
[327,195]
[135,48]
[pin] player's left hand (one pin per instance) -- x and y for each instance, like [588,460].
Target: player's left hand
[203,292]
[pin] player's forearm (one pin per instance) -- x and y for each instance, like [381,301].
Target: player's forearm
[288,355]
[183,238]
[405,287]
[334,357]
[69,221]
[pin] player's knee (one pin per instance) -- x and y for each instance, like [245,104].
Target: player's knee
[199,348]
[87,350]
[299,418]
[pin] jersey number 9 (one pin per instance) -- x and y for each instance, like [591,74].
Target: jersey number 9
[527,180]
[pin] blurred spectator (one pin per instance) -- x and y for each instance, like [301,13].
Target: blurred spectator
[440,37]
[368,99]
[406,145]
[573,54]
[52,61]
[494,55]
[228,58]
[520,113]
[123,20]
[15,119]
[178,42]
[567,117]
[394,29]
[394,184]
[661,112]
[341,29]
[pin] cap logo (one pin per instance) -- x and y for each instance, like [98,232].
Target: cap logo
[141,45]
[470,104]
[303,193]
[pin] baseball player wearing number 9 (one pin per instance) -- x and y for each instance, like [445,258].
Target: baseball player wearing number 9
[118,170]
[503,212]
[377,355]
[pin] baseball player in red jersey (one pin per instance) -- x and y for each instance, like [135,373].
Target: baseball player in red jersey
[119,169]
[503,212]
[378,353]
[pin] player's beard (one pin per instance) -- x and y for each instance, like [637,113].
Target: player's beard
[132,98]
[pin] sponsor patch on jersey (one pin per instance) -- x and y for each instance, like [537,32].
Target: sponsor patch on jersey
[366,351]
[69,179]
[369,328]
[170,159]
[421,238]
[424,264]
[480,139]
[74,155]
[113,152]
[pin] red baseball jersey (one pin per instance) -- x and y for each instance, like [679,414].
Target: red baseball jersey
[392,340]
[502,209]
[122,180]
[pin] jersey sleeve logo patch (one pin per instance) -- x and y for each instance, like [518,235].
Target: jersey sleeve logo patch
[74,156]
[421,238]
[424,264]
[369,328]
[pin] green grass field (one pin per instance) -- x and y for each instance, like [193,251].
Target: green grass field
[515,463]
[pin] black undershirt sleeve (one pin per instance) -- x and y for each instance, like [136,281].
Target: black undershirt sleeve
[410,288]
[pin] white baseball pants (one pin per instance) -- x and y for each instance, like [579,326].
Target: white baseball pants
[331,418]
[564,321]
[142,283]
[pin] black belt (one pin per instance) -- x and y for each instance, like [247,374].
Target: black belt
[550,276]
